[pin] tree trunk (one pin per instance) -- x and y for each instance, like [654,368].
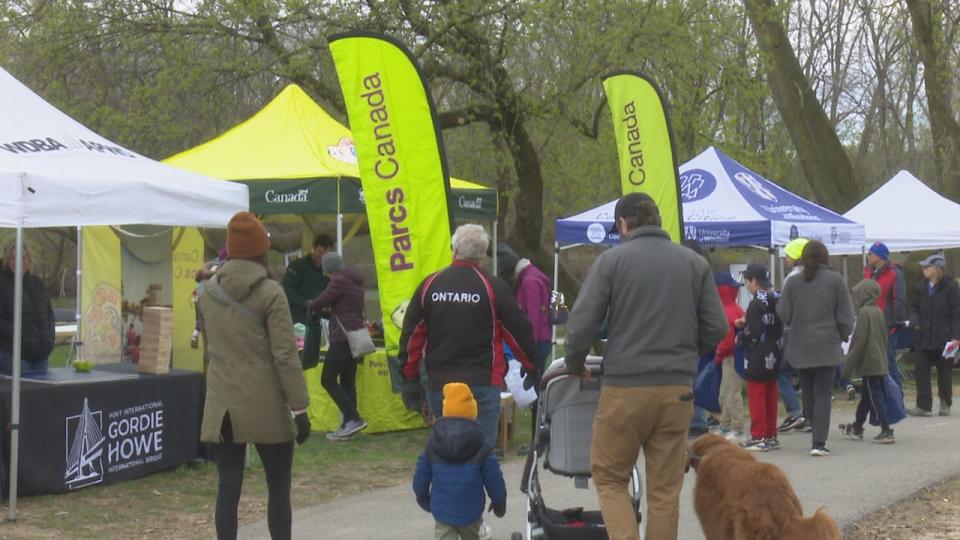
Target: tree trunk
[823,158]
[927,20]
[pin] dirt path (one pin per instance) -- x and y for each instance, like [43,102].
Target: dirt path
[931,514]
[858,479]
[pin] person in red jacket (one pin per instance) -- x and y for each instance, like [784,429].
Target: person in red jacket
[892,301]
[731,385]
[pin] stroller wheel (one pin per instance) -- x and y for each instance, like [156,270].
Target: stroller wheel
[516,536]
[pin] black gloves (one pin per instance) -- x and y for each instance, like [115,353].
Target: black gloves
[412,395]
[302,421]
[498,509]
[424,502]
[530,379]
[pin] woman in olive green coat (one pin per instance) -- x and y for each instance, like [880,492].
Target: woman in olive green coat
[255,387]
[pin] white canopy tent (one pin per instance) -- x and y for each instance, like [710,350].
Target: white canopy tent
[55,172]
[907,215]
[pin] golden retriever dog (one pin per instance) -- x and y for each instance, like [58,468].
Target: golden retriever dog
[739,498]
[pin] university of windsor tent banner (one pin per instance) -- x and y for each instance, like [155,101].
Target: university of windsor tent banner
[648,162]
[402,167]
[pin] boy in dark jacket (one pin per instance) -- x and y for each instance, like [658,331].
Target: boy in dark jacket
[868,357]
[456,466]
[762,337]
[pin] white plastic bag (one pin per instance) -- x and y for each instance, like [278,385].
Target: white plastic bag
[514,380]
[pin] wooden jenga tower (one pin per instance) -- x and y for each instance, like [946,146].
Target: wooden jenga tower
[156,342]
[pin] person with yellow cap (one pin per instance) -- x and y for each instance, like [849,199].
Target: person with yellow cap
[795,420]
[455,469]
[255,388]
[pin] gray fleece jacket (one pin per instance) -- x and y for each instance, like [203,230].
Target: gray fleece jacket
[664,312]
[819,314]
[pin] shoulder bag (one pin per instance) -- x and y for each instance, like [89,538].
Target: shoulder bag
[361,344]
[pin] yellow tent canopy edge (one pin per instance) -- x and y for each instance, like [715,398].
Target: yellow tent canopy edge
[292,151]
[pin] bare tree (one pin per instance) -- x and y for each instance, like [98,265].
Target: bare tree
[933,33]
[823,158]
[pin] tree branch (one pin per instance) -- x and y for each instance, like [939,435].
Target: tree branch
[468,115]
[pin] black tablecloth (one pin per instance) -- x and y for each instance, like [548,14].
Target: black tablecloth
[74,435]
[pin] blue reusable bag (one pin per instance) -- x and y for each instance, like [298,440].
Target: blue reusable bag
[740,361]
[706,387]
[892,401]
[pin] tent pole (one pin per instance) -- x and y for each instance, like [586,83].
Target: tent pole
[845,278]
[77,336]
[340,234]
[15,364]
[773,264]
[339,222]
[556,289]
[493,226]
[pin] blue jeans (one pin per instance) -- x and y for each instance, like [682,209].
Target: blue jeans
[699,419]
[892,360]
[6,364]
[488,409]
[839,380]
[543,356]
[787,392]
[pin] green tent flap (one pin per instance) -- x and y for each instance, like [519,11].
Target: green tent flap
[319,196]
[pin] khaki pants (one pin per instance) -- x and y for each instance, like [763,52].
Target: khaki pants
[731,397]
[452,532]
[630,418]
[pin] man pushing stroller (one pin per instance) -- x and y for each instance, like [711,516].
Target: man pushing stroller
[664,311]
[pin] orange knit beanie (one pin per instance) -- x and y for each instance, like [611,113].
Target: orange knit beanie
[458,401]
[247,238]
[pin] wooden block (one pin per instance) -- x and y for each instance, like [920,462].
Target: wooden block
[154,368]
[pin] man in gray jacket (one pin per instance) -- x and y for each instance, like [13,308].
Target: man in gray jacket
[664,312]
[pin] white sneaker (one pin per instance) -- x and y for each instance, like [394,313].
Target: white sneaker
[352,427]
[485,532]
[732,436]
[820,451]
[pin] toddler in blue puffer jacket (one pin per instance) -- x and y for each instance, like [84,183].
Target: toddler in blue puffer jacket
[455,468]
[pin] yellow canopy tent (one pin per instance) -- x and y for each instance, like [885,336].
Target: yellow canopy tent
[297,160]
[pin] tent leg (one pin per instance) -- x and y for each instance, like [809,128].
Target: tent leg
[845,278]
[773,264]
[556,288]
[15,398]
[493,226]
[77,336]
[340,234]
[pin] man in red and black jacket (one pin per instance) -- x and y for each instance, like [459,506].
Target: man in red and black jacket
[457,322]
[892,301]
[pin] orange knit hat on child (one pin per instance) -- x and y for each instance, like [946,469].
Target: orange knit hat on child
[458,401]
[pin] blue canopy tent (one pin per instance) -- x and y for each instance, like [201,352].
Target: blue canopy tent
[727,205]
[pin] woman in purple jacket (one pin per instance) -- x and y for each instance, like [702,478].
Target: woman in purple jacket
[344,295]
[532,290]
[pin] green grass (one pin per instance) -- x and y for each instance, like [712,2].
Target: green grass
[179,503]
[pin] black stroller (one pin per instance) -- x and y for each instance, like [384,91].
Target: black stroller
[565,411]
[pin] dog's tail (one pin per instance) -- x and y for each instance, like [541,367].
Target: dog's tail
[819,526]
